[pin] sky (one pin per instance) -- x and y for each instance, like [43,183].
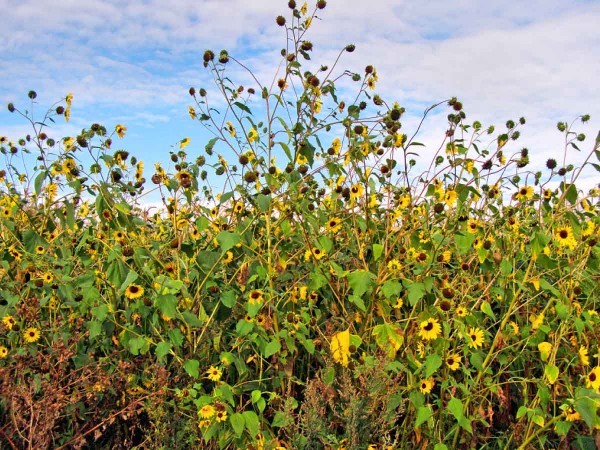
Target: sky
[132,63]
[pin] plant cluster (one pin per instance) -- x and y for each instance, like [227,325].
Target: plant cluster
[348,297]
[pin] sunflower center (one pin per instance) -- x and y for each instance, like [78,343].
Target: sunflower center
[563,234]
[429,326]
[592,377]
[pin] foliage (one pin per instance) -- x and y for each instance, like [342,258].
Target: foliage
[351,297]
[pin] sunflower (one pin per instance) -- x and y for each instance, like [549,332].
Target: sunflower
[524,193]
[134,291]
[120,129]
[255,297]
[333,225]
[571,414]
[228,257]
[475,337]
[221,416]
[214,373]
[450,198]
[453,361]
[252,135]
[8,321]
[461,311]
[404,201]
[472,226]
[31,334]
[3,351]
[564,237]
[6,212]
[207,411]
[336,145]
[357,190]
[426,385]
[394,265]
[430,329]
[47,277]
[317,253]
[592,380]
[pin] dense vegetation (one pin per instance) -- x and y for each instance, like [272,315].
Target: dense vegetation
[335,290]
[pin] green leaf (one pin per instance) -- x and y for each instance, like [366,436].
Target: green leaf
[464,242]
[562,427]
[228,298]
[281,419]
[440,446]
[39,180]
[167,305]
[377,251]
[131,277]
[432,363]
[192,366]
[191,319]
[587,407]
[358,301]
[545,285]
[360,281]
[162,349]
[391,288]
[455,406]
[228,240]
[487,310]
[237,423]
[251,420]
[522,411]
[264,201]
[242,107]
[423,413]
[538,420]
[272,347]
[388,338]
[256,395]
[551,373]
[416,291]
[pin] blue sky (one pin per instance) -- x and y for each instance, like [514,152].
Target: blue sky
[133,62]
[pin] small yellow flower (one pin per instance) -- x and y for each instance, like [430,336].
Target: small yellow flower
[3,351]
[593,379]
[476,338]
[31,334]
[192,112]
[453,361]
[228,257]
[214,373]
[207,411]
[336,145]
[545,348]
[426,385]
[252,135]
[8,321]
[221,416]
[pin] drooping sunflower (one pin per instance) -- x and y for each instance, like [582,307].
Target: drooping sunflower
[134,291]
[430,329]
[476,338]
[453,361]
[31,334]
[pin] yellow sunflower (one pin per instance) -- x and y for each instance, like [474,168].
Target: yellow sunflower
[453,361]
[31,334]
[3,351]
[207,411]
[426,385]
[475,337]
[134,291]
[592,380]
[430,329]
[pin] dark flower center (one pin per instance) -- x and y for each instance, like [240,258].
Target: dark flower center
[429,326]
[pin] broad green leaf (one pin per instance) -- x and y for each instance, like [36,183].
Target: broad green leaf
[360,281]
[242,107]
[416,291]
[251,420]
[432,363]
[391,288]
[264,201]
[192,366]
[423,414]
[538,420]
[551,373]
[228,240]
[167,305]
[281,419]
[228,298]
[487,310]
[388,338]
[455,406]
[162,349]
[377,251]
[440,446]
[237,423]
[358,301]
[272,347]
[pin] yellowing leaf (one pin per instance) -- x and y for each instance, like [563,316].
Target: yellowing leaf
[184,143]
[340,347]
